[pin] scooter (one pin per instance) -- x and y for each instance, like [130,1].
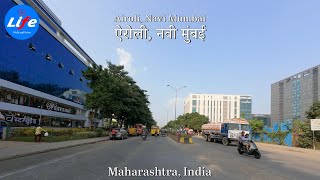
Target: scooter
[144,137]
[253,150]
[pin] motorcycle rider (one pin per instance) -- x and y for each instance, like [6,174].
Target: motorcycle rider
[241,137]
[246,143]
[144,133]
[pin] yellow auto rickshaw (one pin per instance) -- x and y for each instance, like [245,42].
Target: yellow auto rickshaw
[132,131]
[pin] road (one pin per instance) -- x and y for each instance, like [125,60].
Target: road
[92,161]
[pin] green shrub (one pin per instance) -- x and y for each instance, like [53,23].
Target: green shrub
[83,135]
[99,131]
[56,132]
[105,133]
[23,132]
[184,135]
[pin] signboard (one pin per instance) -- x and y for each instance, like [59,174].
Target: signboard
[26,119]
[315,124]
[235,133]
[52,106]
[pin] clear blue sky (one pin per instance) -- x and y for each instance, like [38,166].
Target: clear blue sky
[250,44]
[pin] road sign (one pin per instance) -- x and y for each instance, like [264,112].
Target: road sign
[315,124]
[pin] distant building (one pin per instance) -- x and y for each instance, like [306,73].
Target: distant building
[292,97]
[265,117]
[245,107]
[218,107]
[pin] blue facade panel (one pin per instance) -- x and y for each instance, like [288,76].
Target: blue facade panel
[48,67]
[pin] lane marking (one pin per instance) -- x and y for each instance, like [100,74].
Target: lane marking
[52,161]
[42,164]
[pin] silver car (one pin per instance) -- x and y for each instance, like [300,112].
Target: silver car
[121,134]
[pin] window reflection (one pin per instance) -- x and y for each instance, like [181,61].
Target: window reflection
[30,70]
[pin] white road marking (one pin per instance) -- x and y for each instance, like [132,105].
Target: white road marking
[42,164]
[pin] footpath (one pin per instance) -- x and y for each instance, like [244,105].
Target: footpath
[14,149]
[262,145]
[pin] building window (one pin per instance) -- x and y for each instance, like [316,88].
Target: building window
[60,65]
[71,72]
[194,102]
[194,109]
[32,47]
[48,57]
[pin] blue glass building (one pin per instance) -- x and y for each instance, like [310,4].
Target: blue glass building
[41,77]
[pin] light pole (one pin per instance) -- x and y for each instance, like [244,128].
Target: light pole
[176,89]
[167,114]
[40,114]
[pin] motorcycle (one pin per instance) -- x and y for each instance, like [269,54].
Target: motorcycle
[253,150]
[144,137]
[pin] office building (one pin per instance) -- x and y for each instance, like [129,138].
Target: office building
[40,78]
[218,107]
[291,97]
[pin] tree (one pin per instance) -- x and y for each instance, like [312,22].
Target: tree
[314,111]
[189,120]
[256,126]
[115,92]
[303,128]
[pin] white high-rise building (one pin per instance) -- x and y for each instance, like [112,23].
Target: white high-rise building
[217,107]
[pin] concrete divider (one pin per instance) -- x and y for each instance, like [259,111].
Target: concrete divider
[186,140]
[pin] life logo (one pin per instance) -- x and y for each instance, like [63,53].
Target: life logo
[22,22]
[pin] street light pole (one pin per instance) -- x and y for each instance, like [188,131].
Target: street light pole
[166,114]
[175,101]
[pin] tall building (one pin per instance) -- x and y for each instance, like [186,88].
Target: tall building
[218,107]
[291,97]
[40,78]
[245,107]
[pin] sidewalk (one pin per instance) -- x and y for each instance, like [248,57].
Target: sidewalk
[14,149]
[287,148]
[263,145]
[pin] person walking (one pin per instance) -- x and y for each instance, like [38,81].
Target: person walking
[178,135]
[37,134]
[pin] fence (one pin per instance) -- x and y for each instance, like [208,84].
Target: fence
[284,126]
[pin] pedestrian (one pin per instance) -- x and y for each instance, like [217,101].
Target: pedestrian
[37,134]
[113,132]
[178,135]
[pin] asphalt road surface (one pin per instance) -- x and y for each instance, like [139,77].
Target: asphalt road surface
[90,162]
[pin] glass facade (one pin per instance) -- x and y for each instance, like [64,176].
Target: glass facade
[296,98]
[41,63]
[246,107]
[18,98]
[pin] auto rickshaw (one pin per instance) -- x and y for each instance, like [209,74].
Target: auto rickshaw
[132,131]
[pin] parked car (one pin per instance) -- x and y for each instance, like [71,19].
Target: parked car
[121,134]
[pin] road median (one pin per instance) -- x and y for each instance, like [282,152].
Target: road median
[181,140]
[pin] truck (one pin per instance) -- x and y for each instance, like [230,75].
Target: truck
[139,129]
[226,132]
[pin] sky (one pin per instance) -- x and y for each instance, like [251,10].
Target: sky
[249,45]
